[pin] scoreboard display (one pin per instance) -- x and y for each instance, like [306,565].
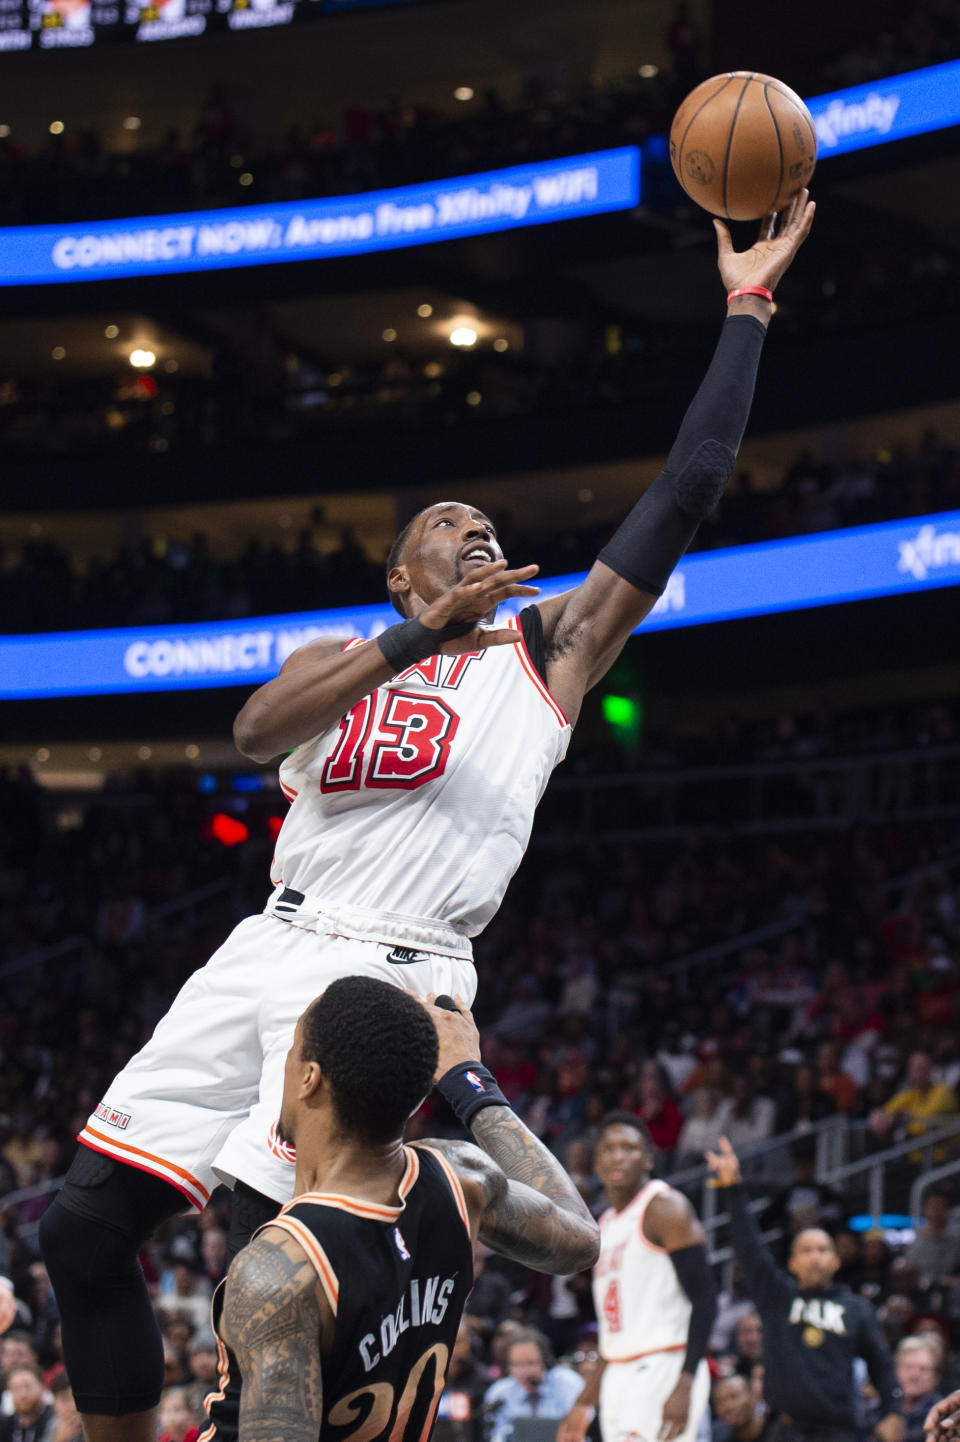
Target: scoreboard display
[69,24]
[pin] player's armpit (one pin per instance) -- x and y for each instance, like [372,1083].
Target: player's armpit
[585,630]
[274,1316]
[528,1207]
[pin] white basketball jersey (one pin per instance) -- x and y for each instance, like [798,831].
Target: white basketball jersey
[640,1304]
[421,800]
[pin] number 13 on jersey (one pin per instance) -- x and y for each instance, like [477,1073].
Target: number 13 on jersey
[391,740]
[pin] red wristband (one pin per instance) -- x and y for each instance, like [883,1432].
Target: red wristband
[751,290]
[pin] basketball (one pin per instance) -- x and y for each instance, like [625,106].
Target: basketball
[743,144]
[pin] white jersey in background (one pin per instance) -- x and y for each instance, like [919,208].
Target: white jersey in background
[421,800]
[644,1316]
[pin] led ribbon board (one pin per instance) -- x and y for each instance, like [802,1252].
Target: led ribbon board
[894,558]
[522,195]
[890,109]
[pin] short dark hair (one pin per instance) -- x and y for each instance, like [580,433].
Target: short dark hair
[395,557]
[628,1119]
[377,1049]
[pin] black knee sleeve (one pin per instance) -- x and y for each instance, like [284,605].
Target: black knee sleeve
[249,1209]
[90,1238]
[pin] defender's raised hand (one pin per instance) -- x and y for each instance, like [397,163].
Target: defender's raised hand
[765,262]
[456,1033]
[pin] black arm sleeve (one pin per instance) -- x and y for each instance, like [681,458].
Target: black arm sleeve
[765,1281]
[876,1354]
[645,549]
[696,1279]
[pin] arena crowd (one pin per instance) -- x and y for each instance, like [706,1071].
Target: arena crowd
[185,578]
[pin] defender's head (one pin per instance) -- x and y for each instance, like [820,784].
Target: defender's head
[363,1054]
[813,1258]
[624,1155]
[436,550]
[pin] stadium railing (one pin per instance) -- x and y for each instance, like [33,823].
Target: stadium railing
[801,793]
[75,947]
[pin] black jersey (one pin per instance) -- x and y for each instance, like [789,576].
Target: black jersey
[396,1279]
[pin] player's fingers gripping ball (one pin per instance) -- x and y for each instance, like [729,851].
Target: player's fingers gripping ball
[743,144]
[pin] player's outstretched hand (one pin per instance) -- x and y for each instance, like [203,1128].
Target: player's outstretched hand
[456,1032]
[765,262]
[943,1420]
[474,598]
[725,1164]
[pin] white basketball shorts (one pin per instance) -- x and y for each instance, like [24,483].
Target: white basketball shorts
[632,1395]
[199,1103]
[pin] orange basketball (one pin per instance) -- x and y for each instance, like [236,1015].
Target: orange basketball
[742,144]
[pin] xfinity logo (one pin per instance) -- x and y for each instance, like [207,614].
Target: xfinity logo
[929,551]
[874,113]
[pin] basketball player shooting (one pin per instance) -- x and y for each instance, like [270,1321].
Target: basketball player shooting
[416,763]
[655,1300]
[343,1311]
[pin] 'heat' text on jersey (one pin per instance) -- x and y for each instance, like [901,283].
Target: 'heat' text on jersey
[444,672]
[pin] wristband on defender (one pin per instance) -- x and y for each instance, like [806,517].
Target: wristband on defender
[411,641]
[468,1088]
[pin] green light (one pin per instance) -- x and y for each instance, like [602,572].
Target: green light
[621,712]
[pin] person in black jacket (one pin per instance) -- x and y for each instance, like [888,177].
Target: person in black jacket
[812,1330]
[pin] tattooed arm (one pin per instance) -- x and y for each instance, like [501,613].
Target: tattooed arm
[522,1201]
[275,1318]
[550,1228]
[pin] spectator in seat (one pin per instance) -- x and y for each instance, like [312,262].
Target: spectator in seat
[831,1078]
[739,1417]
[917,1362]
[177,1421]
[747,1120]
[533,1387]
[936,1252]
[700,1132]
[748,1340]
[33,1418]
[656,1108]
[919,1104]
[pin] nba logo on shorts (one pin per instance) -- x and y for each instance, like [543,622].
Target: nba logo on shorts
[401,1244]
[474,1081]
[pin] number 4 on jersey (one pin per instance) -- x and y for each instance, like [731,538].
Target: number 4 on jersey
[611,1306]
[404,747]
